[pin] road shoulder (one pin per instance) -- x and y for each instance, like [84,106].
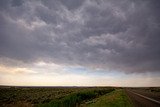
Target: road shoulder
[117,98]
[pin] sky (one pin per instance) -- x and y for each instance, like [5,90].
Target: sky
[80,42]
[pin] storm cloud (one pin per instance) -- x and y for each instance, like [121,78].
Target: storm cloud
[107,34]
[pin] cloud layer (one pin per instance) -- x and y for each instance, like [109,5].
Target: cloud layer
[113,35]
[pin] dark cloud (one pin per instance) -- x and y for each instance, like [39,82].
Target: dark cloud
[72,4]
[17,2]
[116,35]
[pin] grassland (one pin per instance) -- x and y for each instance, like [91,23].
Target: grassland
[77,98]
[36,95]
[49,96]
[116,98]
[69,96]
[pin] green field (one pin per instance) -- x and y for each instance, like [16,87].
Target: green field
[75,99]
[117,98]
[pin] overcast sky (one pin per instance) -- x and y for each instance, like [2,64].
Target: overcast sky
[80,42]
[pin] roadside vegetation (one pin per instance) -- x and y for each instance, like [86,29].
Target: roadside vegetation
[116,98]
[77,98]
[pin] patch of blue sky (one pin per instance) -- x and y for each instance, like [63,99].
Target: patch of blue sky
[76,70]
[95,72]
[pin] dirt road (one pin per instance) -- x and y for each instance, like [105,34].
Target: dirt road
[140,100]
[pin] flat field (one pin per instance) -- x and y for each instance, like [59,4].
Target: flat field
[49,96]
[77,96]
